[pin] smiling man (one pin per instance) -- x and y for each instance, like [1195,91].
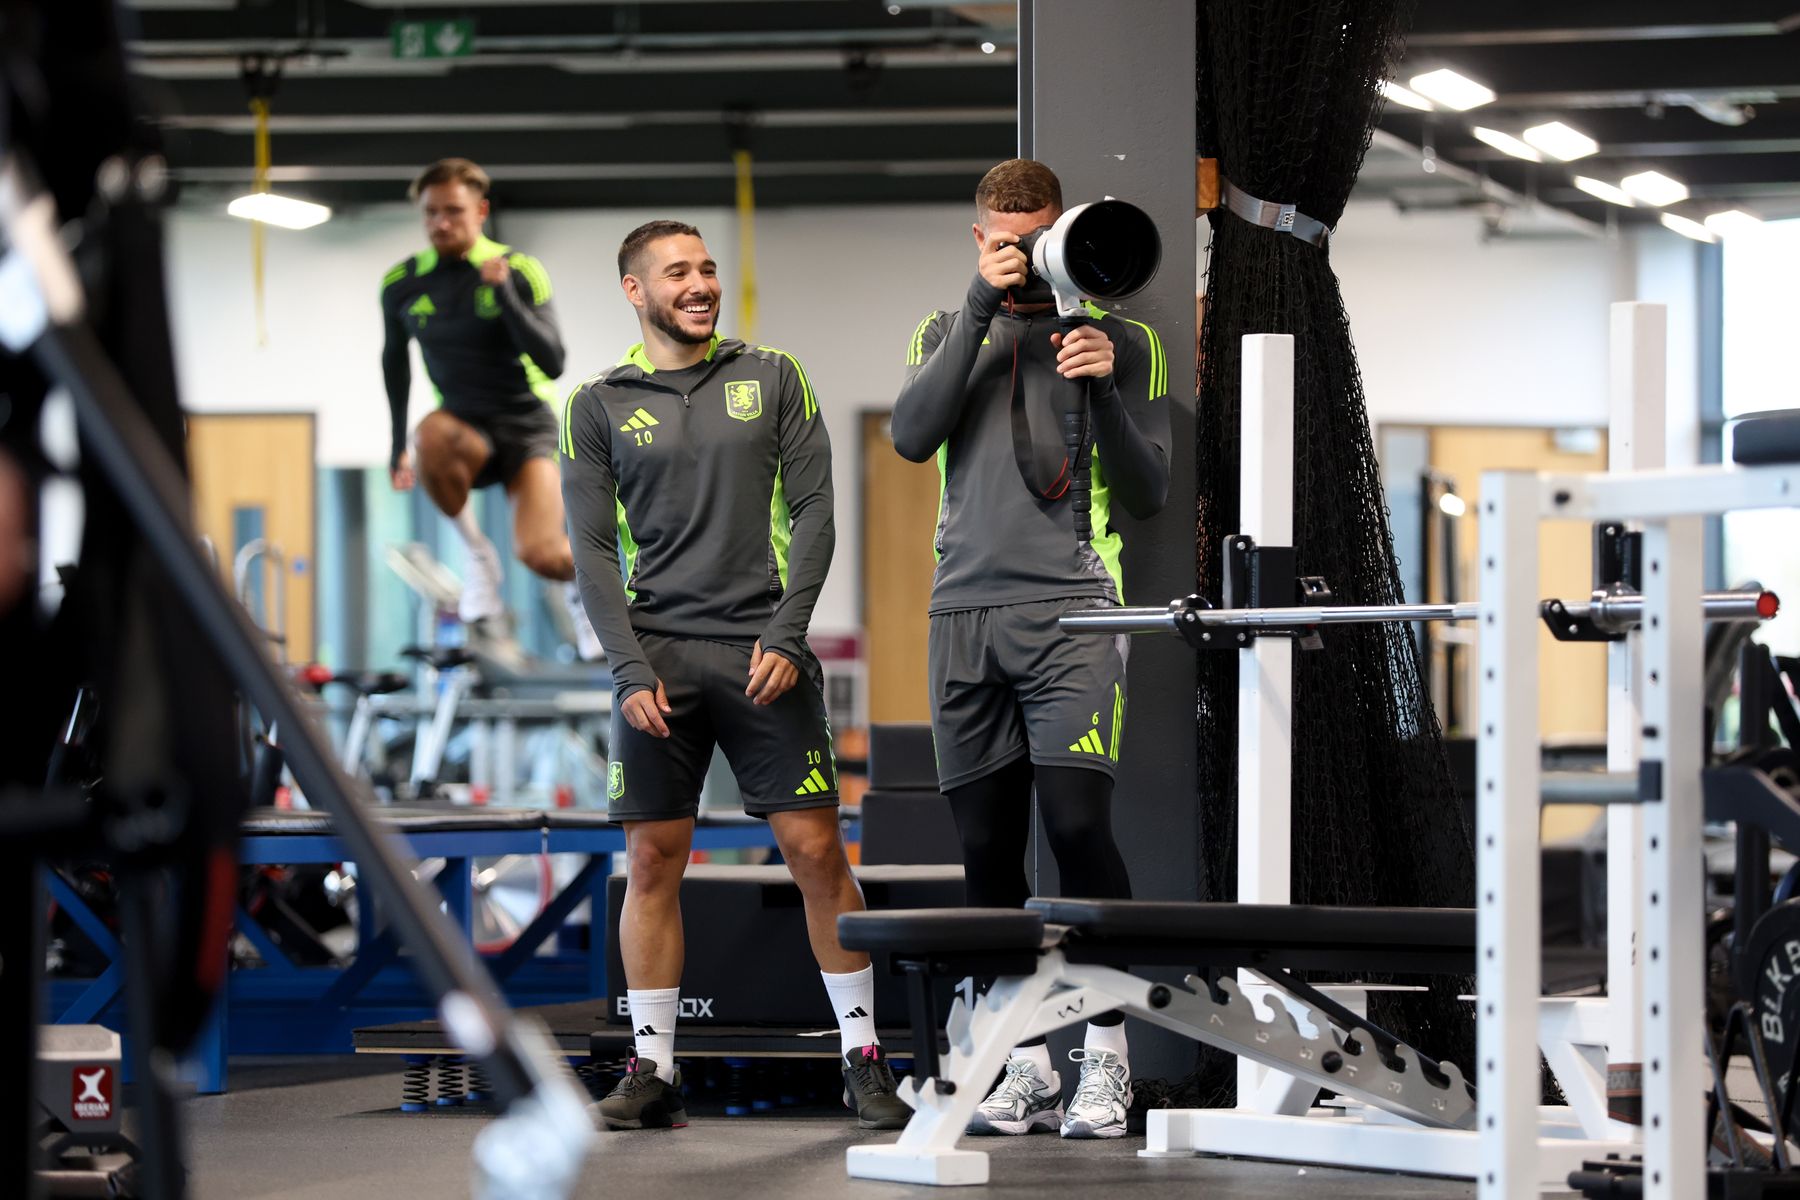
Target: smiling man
[697,476]
[481,314]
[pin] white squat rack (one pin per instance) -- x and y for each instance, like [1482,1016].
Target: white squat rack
[1578,1036]
[1657,1009]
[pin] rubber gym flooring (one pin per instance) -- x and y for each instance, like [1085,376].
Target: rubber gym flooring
[324,1129]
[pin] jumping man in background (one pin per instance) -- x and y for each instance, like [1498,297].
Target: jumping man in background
[1015,703]
[698,479]
[481,313]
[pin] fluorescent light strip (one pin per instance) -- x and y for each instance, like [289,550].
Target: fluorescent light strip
[1404,96]
[1605,191]
[1688,228]
[1655,188]
[1560,141]
[1451,90]
[284,211]
[1506,143]
[1732,222]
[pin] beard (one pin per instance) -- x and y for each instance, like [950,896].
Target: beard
[667,317]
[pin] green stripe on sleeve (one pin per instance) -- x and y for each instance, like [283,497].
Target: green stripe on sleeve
[1159,361]
[568,416]
[628,549]
[915,350]
[534,274]
[809,404]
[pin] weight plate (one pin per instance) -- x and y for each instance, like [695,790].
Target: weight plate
[1768,977]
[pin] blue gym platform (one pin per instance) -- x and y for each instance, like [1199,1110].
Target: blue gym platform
[282,1007]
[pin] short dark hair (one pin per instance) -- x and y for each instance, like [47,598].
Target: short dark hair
[633,246]
[450,170]
[1018,185]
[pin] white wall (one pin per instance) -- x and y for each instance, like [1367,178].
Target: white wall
[1762,297]
[1454,329]
[1449,329]
[840,288]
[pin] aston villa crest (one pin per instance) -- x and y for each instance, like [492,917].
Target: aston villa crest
[743,400]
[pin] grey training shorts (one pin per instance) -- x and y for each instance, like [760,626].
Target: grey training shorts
[1005,681]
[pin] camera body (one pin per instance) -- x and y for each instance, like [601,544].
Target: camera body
[1104,250]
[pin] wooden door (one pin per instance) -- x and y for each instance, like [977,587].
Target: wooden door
[900,506]
[253,478]
[1573,698]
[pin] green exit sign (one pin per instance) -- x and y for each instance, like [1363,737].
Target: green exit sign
[434,39]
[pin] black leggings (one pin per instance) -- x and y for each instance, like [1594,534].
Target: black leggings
[993,818]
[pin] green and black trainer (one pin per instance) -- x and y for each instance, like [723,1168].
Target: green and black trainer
[642,1100]
[870,1089]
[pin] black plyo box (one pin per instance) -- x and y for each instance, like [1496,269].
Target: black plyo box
[902,756]
[908,827]
[748,958]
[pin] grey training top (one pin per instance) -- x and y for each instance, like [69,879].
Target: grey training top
[489,351]
[700,502]
[996,542]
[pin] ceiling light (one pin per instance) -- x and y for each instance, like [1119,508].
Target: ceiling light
[1653,187]
[893,10]
[1605,191]
[1506,143]
[1452,90]
[1689,228]
[1406,96]
[987,47]
[284,211]
[1560,141]
[1732,222]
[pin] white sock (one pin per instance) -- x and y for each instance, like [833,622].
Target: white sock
[653,1013]
[1040,1056]
[469,527]
[853,1000]
[1108,1037]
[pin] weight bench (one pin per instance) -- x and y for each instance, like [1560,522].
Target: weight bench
[1061,961]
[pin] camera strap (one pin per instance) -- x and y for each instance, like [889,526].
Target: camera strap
[1076,433]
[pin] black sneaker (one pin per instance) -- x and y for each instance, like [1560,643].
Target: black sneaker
[643,1101]
[870,1089]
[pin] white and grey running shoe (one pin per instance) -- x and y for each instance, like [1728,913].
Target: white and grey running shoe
[1022,1102]
[483,579]
[587,642]
[1101,1098]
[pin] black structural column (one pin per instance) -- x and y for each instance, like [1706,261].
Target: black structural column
[1106,98]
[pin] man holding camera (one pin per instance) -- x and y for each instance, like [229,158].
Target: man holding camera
[1016,705]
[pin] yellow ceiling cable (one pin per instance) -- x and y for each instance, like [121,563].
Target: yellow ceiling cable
[259,106]
[746,214]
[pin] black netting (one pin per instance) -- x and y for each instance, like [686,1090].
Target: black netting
[1288,95]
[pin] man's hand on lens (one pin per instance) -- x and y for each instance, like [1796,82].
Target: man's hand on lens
[1084,353]
[495,271]
[401,473]
[771,674]
[1003,264]
[644,711]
